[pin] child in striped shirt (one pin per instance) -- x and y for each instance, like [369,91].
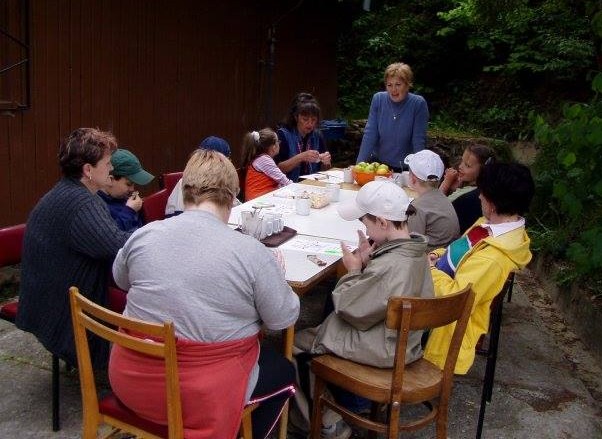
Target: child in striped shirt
[262,175]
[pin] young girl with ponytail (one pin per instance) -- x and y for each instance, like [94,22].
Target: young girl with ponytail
[262,175]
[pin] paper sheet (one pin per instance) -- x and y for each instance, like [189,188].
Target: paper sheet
[325,176]
[308,245]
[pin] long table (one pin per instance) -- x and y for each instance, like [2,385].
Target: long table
[320,223]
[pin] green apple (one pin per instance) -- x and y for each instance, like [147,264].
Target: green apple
[382,170]
[359,168]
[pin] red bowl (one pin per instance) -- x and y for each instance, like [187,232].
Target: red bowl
[362,178]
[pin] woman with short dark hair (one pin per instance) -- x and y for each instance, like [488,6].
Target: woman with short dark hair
[495,246]
[302,148]
[70,240]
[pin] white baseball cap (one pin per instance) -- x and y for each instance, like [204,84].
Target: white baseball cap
[426,165]
[380,198]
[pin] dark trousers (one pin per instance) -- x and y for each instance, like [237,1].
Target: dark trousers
[276,375]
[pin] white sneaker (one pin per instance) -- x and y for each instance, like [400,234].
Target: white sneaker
[333,426]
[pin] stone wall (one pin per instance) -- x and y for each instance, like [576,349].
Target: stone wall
[449,147]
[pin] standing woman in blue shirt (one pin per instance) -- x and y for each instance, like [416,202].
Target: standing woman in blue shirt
[302,149]
[397,121]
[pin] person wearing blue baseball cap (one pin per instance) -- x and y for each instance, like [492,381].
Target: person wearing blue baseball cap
[175,202]
[120,193]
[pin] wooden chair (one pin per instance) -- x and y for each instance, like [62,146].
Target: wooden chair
[488,345]
[153,208]
[88,316]
[169,180]
[415,383]
[11,251]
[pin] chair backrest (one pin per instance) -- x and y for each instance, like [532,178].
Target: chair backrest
[153,208]
[405,314]
[169,180]
[88,316]
[11,244]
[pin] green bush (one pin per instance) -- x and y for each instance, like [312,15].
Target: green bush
[485,65]
[568,170]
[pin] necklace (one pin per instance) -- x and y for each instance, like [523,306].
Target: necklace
[395,115]
[392,107]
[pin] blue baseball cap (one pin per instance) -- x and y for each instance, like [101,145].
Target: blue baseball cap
[216,144]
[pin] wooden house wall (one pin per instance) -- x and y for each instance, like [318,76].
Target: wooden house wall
[159,74]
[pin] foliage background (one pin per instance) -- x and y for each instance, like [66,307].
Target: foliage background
[483,66]
[507,69]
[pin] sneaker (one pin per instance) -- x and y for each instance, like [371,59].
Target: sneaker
[338,430]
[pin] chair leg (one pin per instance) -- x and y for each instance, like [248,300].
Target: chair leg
[55,394]
[481,413]
[246,427]
[316,418]
[283,429]
[510,288]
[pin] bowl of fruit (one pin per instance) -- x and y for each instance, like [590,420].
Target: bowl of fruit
[364,172]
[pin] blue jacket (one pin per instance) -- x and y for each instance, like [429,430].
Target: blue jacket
[127,219]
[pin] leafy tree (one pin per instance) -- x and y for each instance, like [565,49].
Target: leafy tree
[569,185]
[482,65]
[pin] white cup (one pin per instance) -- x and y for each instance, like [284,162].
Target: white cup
[348,175]
[302,206]
[246,217]
[333,190]
[405,178]
[278,223]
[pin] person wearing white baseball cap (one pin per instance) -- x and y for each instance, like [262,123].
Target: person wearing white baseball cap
[435,216]
[394,264]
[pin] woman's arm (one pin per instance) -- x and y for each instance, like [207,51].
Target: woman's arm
[93,231]
[421,119]
[370,138]
[120,271]
[285,162]
[275,301]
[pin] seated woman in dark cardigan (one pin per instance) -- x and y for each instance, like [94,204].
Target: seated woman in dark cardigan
[70,239]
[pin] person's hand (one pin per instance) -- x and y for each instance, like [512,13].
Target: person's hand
[450,181]
[352,261]
[280,259]
[311,156]
[134,201]
[433,258]
[326,159]
[364,248]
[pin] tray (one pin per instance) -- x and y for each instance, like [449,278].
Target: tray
[280,238]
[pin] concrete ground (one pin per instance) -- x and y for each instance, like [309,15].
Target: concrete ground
[546,386]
